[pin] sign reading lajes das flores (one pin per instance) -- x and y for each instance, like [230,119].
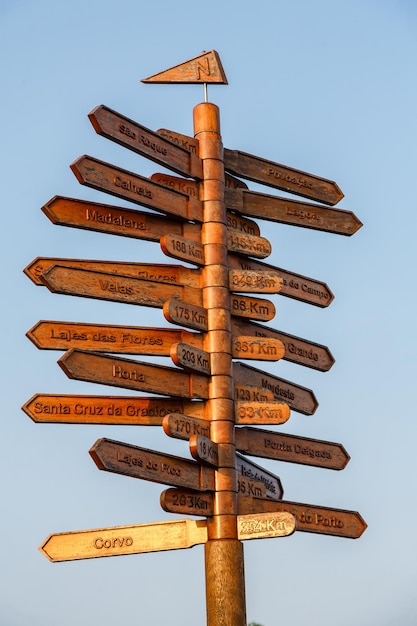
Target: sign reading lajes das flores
[204,395]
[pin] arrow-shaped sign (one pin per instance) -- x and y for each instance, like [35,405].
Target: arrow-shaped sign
[51,335]
[129,460]
[285,211]
[265,172]
[129,374]
[154,272]
[129,186]
[282,447]
[299,398]
[281,177]
[121,540]
[86,283]
[114,410]
[145,142]
[310,518]
[116,220]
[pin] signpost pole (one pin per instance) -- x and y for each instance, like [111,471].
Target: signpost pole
[224,570]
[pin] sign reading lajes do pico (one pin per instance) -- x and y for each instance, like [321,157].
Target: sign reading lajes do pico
[204,396]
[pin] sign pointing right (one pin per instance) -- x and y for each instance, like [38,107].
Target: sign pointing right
[292,212]
[281,177]
[282,447]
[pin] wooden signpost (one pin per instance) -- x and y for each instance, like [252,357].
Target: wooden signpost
[206,398]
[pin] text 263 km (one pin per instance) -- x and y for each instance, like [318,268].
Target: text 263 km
[190,501]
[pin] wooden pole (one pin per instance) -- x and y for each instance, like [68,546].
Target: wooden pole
[224,565]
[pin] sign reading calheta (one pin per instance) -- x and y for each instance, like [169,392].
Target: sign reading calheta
[204,218]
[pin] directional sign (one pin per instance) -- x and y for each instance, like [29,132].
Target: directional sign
[296,350]
[114,220]
[282,447]
[108,370]
[204,450]
[299,398]
[205,68]
[293,285]
[155,272]
[251,471]
[145,142]
[252,308]
[186,314]
[310,518]
[121,540]
[249,281]
[114,410]
[129,186]
[257,348]
[115,287]
[281,177]
[182,248]
[263,525]
[265,172]
[191,358]
[261,413]
[187,501]
[109,338]
[285,211]
[123,458]
[183,426]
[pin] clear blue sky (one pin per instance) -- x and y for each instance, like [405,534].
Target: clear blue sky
[327,87]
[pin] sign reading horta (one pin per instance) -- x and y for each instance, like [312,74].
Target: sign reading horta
[228,411]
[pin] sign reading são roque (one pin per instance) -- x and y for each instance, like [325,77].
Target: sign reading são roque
[205,396]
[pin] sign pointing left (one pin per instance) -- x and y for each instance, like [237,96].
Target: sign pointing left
[157,467]
[130,186]
[130,374]
[145,142]
[119,540]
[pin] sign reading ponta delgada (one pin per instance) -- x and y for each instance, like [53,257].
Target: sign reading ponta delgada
[203,216]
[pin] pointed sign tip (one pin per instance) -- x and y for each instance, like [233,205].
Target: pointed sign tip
[205,68]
